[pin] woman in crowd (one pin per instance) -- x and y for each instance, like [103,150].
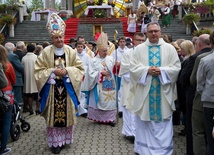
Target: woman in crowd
[166,16]
[6,87]
[155,14]
[132,18]
[187,49]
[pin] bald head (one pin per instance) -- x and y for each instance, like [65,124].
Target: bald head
[202,42]
[204,39]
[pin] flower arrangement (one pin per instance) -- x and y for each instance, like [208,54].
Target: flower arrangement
[201,31]
[2,38]
[64,16]
[98,13]
[7,19]
[188,19]
[201,8]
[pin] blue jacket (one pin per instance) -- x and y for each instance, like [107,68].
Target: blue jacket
[18,68]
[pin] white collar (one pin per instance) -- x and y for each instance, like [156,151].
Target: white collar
[59,51]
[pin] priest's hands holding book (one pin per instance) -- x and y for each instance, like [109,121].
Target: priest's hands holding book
[154,71]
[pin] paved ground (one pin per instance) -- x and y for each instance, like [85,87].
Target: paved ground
[89,139]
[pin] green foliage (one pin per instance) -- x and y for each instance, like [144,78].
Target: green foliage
[36,4]
[2,8]
[2,38]
[98,13]
[58,6]
[7,19]
[10,2]
[201,31]
[189,18]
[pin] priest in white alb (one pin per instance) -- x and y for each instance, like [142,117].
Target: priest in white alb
[154,68]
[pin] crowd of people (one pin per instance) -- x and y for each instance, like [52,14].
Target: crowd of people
[153,83]
[151,10]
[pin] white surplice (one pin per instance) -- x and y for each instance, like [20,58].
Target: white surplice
[128,128]
[82,109]
[117,55]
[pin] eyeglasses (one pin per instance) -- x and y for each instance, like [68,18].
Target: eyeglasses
[139,39]
[153,31]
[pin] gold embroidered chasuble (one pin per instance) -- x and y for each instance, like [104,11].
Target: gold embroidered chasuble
[44,66]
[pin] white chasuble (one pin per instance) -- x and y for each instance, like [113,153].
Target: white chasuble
[139,65]
[103,87]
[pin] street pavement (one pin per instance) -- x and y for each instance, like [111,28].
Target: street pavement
[90,138]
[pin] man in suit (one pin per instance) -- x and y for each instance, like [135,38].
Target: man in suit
[205,86]
[198,130]
[202,46]
[19,70]
[20,47]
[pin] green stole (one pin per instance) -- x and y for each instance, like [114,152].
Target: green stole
[155,89]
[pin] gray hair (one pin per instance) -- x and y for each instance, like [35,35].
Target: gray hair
[9,46]
[20,44]
[153,23]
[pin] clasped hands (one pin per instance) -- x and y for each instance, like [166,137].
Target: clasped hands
[60,72]
[105,72]
[154,71]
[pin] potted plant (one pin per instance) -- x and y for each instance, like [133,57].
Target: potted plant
[188,19]
[98,13]
[63,16]
[201,31]
[7,19]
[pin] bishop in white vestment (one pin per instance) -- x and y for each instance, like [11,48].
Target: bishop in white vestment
[100,85]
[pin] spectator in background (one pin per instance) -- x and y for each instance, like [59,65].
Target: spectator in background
[38,50]
[72,42]
[166,16]
[20,49]
[45,44]
[25,10]
[6,86]
[132,19]
[203,43]
[19,69]
[92,46]
[30,89]
[205,86]
[155,14]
